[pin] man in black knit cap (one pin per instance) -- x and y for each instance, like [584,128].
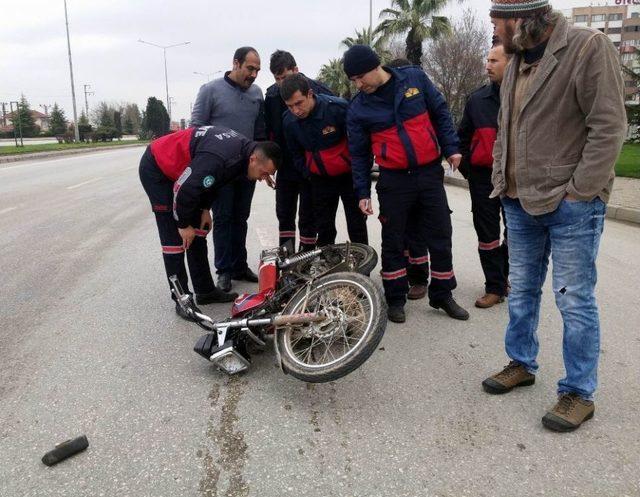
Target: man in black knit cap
[402,119]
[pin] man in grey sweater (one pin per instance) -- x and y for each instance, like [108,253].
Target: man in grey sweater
[235,102]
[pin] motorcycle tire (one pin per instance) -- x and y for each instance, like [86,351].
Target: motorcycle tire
[365,256]
[356,321]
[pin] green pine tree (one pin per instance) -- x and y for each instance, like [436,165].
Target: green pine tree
[58,123]
[117,121]
[156,119]
[23,120]
[128,126]
[84,127]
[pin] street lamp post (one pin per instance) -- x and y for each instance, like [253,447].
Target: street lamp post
[207,74]
[73,88]
[166,78]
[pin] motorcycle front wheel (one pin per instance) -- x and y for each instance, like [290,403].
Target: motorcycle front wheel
[355,323]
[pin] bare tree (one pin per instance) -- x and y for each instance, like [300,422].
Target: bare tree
[455,63]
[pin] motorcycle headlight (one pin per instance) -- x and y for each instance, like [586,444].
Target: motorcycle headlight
[230,360]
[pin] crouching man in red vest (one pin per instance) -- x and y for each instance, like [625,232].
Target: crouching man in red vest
[181,174]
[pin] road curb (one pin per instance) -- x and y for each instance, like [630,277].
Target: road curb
[617,212]
[61,153]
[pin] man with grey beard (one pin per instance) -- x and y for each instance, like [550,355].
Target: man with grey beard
[561,128]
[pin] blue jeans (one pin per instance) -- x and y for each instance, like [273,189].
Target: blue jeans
[571,234]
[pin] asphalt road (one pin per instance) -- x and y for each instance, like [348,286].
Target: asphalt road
[90,344]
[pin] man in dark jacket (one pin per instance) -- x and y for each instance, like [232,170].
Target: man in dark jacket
[477,135]
[315,131]
[417,260]
[401,118]
[290,184]
[182,173]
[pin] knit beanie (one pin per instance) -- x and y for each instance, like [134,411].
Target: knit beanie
[359,59]
[518,8]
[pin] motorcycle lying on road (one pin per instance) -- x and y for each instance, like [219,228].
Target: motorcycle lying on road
[325,314]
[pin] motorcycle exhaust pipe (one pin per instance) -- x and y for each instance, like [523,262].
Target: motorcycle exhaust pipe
[307,317]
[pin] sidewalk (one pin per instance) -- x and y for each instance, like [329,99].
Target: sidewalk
[8,159]
[624,204]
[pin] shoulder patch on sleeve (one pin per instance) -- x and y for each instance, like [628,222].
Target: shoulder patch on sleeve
[411,92]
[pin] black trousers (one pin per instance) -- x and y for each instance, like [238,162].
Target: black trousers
[494,255]
[327,191]
[417,195]
[288,191]
[159,189]
[417,260]
[231,210]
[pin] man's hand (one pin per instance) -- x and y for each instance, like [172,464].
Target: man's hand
[205,220]
[365,206]
[187,234]
[454,161]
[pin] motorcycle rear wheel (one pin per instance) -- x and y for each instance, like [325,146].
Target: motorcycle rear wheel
[364,257]
[356,321]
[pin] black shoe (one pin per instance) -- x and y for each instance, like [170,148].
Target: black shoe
[215,297]
[451,307]
[247,275]
[180,312]
[224,282]
[395,314]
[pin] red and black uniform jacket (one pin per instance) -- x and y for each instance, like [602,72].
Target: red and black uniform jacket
[318,143]
[478,130]
[409,132]
[274,110]
[199,161]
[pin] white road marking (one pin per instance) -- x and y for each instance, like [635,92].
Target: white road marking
[8,209]
[84,183]
[267,238]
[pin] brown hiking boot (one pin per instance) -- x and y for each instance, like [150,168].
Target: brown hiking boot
[417,292]
[489,300]
[513,375]
[569,413]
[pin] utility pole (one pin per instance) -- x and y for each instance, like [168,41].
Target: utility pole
[4,113]
[73,89]
[171,101]
[86,102]
[166,78]
[371,20]
[46,108]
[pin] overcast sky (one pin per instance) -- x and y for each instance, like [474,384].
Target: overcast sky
[106,54]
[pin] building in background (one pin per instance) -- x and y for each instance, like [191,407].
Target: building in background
[620,21]
[41,120]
